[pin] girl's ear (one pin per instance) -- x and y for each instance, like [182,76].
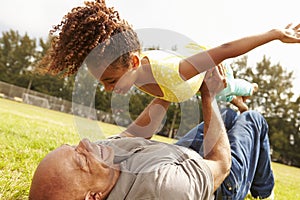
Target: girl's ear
[135,61]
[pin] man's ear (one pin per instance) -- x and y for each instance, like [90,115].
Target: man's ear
[135,61]
[93,196]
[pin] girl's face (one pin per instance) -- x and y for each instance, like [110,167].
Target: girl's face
[121,78]
[110,77]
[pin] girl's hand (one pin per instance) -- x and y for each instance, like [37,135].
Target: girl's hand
[290,34]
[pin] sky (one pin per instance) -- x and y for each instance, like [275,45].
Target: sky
[210,22]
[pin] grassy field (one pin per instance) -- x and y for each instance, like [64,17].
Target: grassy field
[28,133]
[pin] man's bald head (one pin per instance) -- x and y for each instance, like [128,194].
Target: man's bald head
[74,172]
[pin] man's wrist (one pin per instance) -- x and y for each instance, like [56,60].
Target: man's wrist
[205,93]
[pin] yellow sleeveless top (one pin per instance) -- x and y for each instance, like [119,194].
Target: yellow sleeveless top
[165,69]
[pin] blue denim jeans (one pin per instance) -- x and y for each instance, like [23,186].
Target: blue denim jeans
[250,151]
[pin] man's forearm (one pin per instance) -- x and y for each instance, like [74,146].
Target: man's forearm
[217,152]
[216,145]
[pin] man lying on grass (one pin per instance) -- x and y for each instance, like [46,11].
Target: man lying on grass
[210,161]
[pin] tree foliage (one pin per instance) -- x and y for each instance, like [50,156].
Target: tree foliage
[17,56]
[274,100]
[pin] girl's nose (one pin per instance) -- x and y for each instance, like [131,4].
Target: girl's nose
[108,87]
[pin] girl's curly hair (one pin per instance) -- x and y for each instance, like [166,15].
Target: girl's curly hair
[83,29]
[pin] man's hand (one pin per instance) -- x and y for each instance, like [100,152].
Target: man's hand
[214,81]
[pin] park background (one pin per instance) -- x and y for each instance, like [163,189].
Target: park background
[24,39]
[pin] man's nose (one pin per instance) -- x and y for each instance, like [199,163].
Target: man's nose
[86,144]
[84,141]
[82,144]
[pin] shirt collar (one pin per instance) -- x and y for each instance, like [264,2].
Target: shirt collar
[123,186]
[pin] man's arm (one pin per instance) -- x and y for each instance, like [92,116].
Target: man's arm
[149,120]
[205,60]
[216,145]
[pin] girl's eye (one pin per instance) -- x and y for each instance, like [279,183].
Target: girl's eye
[111,82]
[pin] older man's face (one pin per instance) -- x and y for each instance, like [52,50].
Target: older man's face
[74,172]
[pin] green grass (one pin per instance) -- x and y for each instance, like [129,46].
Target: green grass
[287,182]
[28,133]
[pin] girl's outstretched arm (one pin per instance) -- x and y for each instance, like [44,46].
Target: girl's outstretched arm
[203,61]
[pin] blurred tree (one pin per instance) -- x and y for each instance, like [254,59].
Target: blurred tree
[274,101]
[17,55]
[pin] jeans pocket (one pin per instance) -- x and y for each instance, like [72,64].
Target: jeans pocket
[229,187]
